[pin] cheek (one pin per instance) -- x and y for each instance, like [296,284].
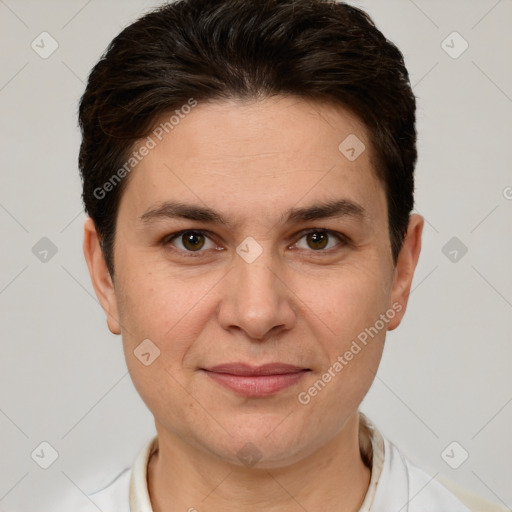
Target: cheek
[351,300]
[158,304]
[162,317]
[352,307]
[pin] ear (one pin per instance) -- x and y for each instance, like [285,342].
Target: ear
[100,276]
[404,270]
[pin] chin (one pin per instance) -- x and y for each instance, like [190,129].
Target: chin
[261,445]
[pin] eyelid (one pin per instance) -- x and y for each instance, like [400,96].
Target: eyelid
[343,239]
[173,236]
[176,234]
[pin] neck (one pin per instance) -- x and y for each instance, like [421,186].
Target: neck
[333,479]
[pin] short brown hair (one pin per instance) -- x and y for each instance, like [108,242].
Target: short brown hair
[246,49]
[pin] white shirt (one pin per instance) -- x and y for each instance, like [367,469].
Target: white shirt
[396,485]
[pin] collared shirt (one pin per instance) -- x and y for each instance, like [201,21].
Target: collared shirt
[396,484]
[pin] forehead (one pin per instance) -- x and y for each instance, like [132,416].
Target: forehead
[273,152]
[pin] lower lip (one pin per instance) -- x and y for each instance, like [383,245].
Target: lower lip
[260,385]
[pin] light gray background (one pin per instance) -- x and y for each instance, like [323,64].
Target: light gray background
[446,372]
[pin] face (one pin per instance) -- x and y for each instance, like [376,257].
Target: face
[246,236]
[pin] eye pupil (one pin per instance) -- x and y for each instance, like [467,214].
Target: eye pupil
[193,241]
[317,240]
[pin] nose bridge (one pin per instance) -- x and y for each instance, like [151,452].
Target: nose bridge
[257,301]
[257,282]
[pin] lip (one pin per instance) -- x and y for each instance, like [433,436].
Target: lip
[256,381]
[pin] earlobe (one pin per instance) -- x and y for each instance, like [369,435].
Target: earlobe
[405,267]
[100,276]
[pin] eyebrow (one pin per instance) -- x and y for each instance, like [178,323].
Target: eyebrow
[327,209]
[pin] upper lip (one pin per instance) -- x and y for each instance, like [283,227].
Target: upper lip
[248,370]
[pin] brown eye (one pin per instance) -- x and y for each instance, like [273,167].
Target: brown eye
[191,241]
[317,240]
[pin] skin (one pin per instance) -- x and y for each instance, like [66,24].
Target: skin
[296,303]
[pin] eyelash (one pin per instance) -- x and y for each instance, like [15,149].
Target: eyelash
[343,240]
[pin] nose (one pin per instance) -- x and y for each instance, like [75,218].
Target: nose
[256,299]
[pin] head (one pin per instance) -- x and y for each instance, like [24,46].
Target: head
[248,172]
